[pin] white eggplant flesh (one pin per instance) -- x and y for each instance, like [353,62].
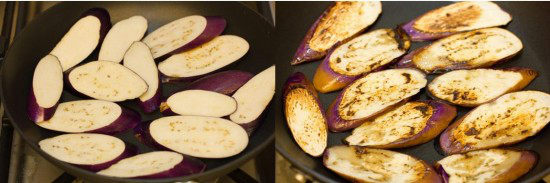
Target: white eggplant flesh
[47,87]
[120,38]
[201,103]
[139,59]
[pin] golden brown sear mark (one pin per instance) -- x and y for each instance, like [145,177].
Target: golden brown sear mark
[450,21]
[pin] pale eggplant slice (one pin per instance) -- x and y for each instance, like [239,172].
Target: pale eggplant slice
[83,38]
[138,58]
[200,103]
[474,87]
[106,80]
[305,115]
[225,82]
[197,136]
[468,50]
[120,38]
[361,55]
[91,116]
[156,164]
[184,34]
[361,164]
[492,165]
[253,98]
[454,18]
[507,120]
[371,95]
[208,57]
[407,125]
[89,151]
[46,90]
[339,22]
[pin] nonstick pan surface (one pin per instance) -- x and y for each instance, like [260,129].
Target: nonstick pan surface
[529,24]
[40,36]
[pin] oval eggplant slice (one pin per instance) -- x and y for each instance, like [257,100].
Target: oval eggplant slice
[361,55]
[509,119]
[410,124]
[138,58]
[47,87]
[208,57]
[304,115]
[360,164]
[82,38]
[200,103]
[156,164]
[187,135]
[454,18]
[105,80]
[183,34]
[90,151]
[91,116]
[226,82]
[253,98]
[339,22]
[371,95]
[492,165]
[120,38]
[468,50]
[474,87]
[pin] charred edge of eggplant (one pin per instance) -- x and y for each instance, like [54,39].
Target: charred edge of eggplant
[402,38]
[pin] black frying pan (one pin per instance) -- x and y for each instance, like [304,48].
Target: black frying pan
[529,24]
[40,36]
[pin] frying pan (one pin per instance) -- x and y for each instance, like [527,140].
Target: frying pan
[529,24]
[40,36]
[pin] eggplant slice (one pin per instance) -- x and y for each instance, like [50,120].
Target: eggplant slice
[120,38]
[363,54]
[201,103]
[371,95]
[139,59]
[454,18]
[304,115]
[47,87]
[468,50]
[225,82]
[339,22]
[509,119]
[477,86]
[492,165]
[360,164]
[410,124]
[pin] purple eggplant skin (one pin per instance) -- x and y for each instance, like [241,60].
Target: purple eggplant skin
[324,74]
[187,166]
[417,35]
[141,132]
[226,82]
[129,151]
[214,27]
[37,113]
[526,162]
[128,119]
[153,103]
[105,20]
[304,53]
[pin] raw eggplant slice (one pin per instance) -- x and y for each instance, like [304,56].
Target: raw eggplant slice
[200,103]
[106,80]
[91,116]
[183,34]
[360,164]
[339,22]
[477,86]
[410,124]
[83,37]
[468,50]
[454,18]
[89,151]
[305,115]
[138,58]
[253,98]
[492,165]
[371,95]
[120,37]
[47,86]
[208,57]
[225,82]
[363,54]
[156,164]
[507,120]
[198,136]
